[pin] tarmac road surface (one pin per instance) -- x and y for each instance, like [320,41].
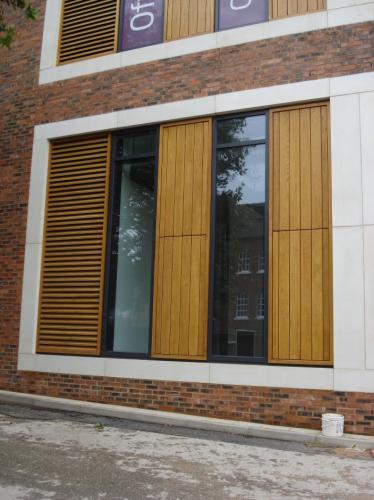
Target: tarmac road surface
[65,456]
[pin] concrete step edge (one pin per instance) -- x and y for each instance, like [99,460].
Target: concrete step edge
[188,421]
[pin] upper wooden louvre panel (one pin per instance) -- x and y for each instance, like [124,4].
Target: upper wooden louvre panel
[88,29]
[74,243]
[286,8]
[184,18]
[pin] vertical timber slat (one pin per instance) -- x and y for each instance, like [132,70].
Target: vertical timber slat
[185,18]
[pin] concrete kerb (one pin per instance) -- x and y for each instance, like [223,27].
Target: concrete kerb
[281,433]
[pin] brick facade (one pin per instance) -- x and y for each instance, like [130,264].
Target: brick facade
[23,103]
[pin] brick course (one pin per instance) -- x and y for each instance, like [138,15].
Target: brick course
[23,103]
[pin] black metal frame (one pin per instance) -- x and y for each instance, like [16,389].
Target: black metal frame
[110,266]
[120,30]
[238,359]
[217,12]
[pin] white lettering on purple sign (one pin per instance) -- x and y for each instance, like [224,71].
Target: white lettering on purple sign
[233,5]
[142,20]
[235,13]
[142,23]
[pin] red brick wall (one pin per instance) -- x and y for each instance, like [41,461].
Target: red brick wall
[268,405]
[23,103]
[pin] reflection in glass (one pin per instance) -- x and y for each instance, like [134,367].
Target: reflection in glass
[132,246]
[238,297]
[250,128]
[135,145]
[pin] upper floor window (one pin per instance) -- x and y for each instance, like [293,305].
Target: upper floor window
[244,263]
[94,28]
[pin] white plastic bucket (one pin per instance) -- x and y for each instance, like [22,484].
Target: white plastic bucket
[332,424]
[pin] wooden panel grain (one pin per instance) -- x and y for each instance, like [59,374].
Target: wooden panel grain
[180,304]
[295,198]
[284,171]
[316,166]
[178,186]
[284,295]
[88,29]
[184,18]
[306,295]
[327,297]
[274,175]
[317,295]
[74,247]
[295,294]
[300,291]
[305,177]
[274,290]
[286,8]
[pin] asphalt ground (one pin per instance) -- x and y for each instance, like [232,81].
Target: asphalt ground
[59,455]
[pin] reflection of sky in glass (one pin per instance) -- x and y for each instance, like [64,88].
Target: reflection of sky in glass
[251,183]
[251,128]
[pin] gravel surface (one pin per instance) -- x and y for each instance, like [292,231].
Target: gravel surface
[58,455]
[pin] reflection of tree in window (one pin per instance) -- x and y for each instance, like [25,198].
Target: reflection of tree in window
[139,206]
[239,229]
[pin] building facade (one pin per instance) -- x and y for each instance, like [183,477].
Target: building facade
[187,217]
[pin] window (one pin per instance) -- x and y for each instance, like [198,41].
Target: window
[160,255]
[244,262]
[131,244]
[261,262]
[260,307]
[241,306]
[239,227]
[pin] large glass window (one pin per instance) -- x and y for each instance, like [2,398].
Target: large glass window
[239,236]
[131,249]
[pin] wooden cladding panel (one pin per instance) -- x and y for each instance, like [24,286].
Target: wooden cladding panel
[301,185]
[184,179]
[180,304]
[89,28]
[300,285]
[184,18]
[286,8]
[70,311]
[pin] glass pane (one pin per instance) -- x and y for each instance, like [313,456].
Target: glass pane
[250,128]
[142,144]
[132,256]
[238,303]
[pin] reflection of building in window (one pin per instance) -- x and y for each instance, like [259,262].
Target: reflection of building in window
[261,262]
[260,306]
[244,262]
[242,306]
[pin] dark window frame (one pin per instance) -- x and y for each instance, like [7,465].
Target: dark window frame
[217,358]
[111,267]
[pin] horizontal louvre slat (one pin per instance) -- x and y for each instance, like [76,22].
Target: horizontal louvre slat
[89,28]
[74,244]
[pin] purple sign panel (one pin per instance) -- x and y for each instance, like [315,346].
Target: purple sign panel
[142,23]
[235,13]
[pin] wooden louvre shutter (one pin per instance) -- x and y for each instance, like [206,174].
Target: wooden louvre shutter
[89,28]
[184,18]
[180,304]
[287,8]
[300,289]
[70,311]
